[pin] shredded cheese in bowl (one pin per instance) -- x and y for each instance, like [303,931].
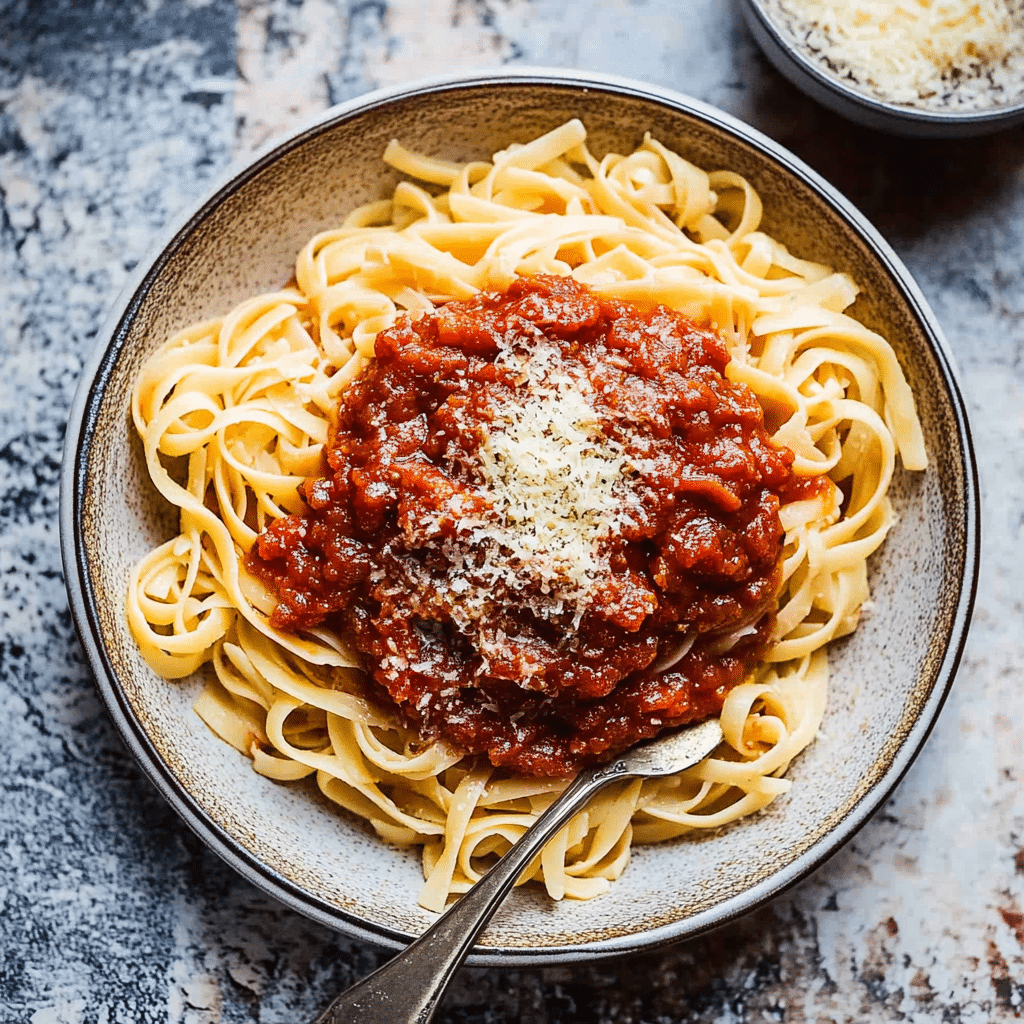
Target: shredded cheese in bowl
[937,54]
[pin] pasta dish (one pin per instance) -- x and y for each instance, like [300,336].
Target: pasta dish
[531,461]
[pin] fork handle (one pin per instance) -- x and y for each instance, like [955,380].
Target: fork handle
[408,989]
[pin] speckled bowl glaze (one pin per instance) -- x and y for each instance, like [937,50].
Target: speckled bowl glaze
[800,67]
[889,679]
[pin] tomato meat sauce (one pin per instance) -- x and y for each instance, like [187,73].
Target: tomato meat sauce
[547,521]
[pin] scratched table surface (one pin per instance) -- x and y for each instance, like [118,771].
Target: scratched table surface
[114,116]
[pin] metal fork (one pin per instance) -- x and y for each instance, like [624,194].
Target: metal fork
[408,989]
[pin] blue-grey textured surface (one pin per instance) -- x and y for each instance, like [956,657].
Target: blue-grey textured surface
[113,116]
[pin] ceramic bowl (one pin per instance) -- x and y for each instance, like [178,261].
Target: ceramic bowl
[809,76]
[889,679]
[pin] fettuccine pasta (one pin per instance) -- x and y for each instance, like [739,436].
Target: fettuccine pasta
[234,413]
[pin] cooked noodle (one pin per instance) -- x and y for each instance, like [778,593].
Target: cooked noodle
[234,413]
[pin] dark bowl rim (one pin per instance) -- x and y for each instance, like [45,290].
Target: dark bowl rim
[81,429]
[877,113]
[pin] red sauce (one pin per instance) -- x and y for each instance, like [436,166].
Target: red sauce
[683,602]
[804,488]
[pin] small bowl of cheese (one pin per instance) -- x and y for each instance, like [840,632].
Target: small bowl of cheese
[929,68]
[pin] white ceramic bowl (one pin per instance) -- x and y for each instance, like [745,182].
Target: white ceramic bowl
[811,77]
[889,679]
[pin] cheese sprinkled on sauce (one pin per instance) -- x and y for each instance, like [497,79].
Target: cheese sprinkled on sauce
[555,481]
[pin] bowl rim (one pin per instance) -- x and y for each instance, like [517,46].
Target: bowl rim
[80,431]
[793,61]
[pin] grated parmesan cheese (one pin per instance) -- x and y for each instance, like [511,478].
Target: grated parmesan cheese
[554,485]
[555,481]
[940,54]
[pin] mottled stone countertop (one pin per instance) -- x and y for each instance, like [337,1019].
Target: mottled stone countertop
[114,115]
